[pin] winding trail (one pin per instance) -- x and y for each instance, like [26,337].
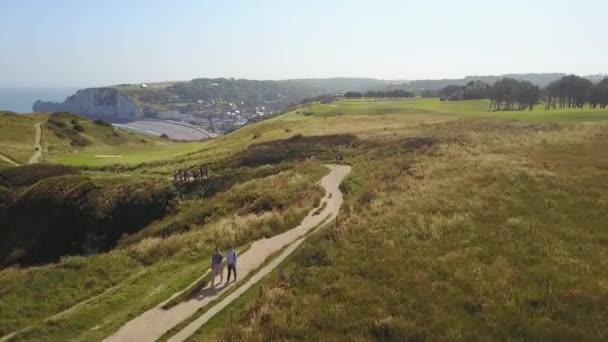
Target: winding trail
[152,324]
[9,160]
[35,158]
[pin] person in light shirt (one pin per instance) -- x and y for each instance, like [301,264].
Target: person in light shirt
[231,257]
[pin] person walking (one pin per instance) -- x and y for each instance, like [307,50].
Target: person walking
[216,266]
[231,257]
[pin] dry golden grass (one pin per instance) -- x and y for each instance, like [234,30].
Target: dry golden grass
[496,231]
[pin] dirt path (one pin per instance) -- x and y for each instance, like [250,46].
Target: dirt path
[153,323]
[37,146]
[9,160]
[35,158]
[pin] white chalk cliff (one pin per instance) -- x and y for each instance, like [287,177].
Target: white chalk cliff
[107,103]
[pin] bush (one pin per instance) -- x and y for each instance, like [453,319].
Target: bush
[150,250]
[164,136]
[257,135]
[62,131]
[101,122]
[78,128]
[30,174]
[57,123]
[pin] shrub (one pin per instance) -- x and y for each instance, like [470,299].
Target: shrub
[62,131]
[73,262]
[257,135]
[297,137]
[78,128]
[164,136]
[150,250]
[30,174]
[57,122]
[366,197]
[101,122]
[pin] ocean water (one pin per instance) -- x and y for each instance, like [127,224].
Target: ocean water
[20,100]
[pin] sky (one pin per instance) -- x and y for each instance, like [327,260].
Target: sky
[48,43]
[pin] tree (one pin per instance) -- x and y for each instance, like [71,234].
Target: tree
[353,95]
[451,91]
[511,94]
[474,90]
[568,92]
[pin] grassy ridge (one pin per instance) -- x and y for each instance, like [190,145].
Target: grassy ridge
[150,266]
[495,231]
[458,225]
[17,135]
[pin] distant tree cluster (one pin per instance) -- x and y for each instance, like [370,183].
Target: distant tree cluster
[474,90]
[574,92]
[324,98]
[101,122]
[379,93]
[598,94]
[510,94]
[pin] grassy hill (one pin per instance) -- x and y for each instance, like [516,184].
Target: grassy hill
[17,135]
[459,224]
[74,140]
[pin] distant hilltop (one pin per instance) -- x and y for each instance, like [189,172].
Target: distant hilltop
[222,104]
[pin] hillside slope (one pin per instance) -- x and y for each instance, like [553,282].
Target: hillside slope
[458,224]
[17,136]
[69,137]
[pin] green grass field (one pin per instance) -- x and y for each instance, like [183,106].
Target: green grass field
[459,224]
[469,108]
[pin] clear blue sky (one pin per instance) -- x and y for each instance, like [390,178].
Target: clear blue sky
[88,43]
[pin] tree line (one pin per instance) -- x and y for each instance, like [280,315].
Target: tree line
[379,93]
[510,94]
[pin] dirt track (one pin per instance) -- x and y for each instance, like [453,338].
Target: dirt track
[9,160]
[153,323]
[35,158]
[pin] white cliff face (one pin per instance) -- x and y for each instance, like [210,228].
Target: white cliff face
[107,103]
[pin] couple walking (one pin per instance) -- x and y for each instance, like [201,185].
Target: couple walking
[216,265]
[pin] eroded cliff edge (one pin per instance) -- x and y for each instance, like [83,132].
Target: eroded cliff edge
[107,103]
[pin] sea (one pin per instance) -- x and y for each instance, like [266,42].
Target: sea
[20,100]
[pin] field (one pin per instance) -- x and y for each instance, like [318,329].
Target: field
[17,138]
[459,224]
